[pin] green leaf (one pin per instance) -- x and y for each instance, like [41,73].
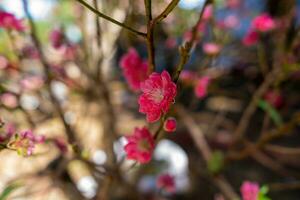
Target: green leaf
[262,195]
[272,112]
[216,162]
[8,190]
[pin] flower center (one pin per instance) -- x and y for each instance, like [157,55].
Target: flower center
[157,95]
[143,145]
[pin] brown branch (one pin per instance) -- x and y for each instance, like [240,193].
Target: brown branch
[166,11]
[69,131]
[249,111]
[99,14]
[204,149]
[185,48]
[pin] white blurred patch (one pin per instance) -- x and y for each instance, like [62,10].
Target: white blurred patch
[119,148]
[177,161]
[190,4]
[70,117]
[72,71]
[39,9]
[29,102]
[73,33]
[88,186]
[99,157]
[60,90]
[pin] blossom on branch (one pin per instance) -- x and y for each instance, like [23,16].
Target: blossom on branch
[250,190]
[134,69]
[140,145]
[10,22]
[159,93]
[201,86]
[170,124]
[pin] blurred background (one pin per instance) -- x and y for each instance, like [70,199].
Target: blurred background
[89,101]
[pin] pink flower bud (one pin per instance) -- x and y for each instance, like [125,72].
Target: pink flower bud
[263,23]
[56,38]
[250,38]
[274,98]
[211,48]
[201,86]
[170,124]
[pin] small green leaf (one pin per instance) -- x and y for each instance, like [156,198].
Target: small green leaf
[272,112]
[262,195]
[216,162]
[8,190]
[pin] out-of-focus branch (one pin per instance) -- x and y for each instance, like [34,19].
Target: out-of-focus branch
[249,111]
[166,11]
[69,131]
[98,13]
[185,48]
[204,149]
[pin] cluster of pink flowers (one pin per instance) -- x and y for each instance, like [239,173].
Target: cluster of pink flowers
[140,145]
[10,22]
[159,93]
[166,182]
[260,24]
[24,142]
[249,190]
[134,69]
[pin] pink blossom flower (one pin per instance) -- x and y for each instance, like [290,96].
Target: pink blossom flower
[166,182]
[274,98]
[263,23]
[32,82]
[23,143]
[10,22]
[140,145]
[170,124]
[134,69]
[9,100]
[201,86]
[250,38]
[208,12]
[211,48]
[159,93]
[187,76]
[249,190]
[57,38]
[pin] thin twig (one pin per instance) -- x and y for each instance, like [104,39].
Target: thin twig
[245,119]
[185,48]
[98,13]
[204,149]
[69,131]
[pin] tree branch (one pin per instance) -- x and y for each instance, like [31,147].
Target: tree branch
[99,14]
